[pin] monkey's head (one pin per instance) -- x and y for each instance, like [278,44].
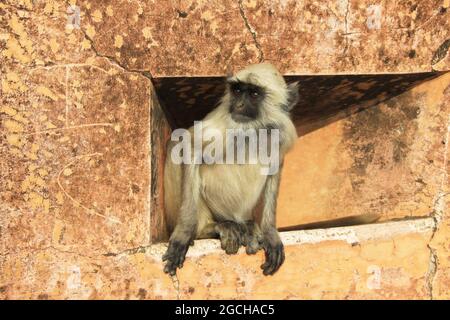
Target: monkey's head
[259,93]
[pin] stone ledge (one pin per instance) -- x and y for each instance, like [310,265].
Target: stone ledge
[381,261]
[352,235]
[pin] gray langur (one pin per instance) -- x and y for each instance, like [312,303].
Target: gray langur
[218,199]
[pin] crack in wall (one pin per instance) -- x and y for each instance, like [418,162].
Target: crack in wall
[437,215]
[347,11]
[441,52]
[251,30]
[145,73]
[131,251]
[429,20]
[145,249]
[18,7]
[432,268]
[33,251]
[176,285]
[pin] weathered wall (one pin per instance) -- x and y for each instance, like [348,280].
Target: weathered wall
[75,141]
[79,160]
[389,261]
[209,37]
[194,37]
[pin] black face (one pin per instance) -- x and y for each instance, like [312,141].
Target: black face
[246,100]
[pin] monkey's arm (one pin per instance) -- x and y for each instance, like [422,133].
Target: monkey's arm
[185,229]
[271,241]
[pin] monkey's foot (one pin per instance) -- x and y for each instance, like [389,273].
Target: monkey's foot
[232,236]
[274,253]
[175,255]
[253,238]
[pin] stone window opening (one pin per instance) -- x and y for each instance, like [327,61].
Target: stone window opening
[336,114]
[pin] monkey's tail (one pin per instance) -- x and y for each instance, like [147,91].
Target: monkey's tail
[340,222]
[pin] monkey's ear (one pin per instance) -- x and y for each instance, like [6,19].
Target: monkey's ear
[293,96]
[231,81]
[229,71]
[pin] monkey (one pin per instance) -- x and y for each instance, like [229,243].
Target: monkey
[218,200]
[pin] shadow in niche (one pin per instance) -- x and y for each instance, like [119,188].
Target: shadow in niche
[323,98]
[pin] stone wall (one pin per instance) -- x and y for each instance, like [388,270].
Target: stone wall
[82,142]
[366,262]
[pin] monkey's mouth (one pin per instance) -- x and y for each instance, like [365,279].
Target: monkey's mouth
[239,117]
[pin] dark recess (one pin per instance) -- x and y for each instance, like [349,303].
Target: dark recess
[324,98]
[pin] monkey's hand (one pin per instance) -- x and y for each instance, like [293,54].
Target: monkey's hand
[253,238]
[274,252]
[175,255]
[232,235]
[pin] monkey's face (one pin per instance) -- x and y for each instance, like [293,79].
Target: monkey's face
[246,100]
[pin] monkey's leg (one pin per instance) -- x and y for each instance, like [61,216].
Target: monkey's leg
[253,237]
[206,226]
[185,230]
[209,232]
[231,234]
[271,241]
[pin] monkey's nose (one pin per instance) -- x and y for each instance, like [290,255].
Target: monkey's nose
[239,106]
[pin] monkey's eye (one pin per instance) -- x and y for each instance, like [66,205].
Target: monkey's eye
[237,90]
[254,94]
